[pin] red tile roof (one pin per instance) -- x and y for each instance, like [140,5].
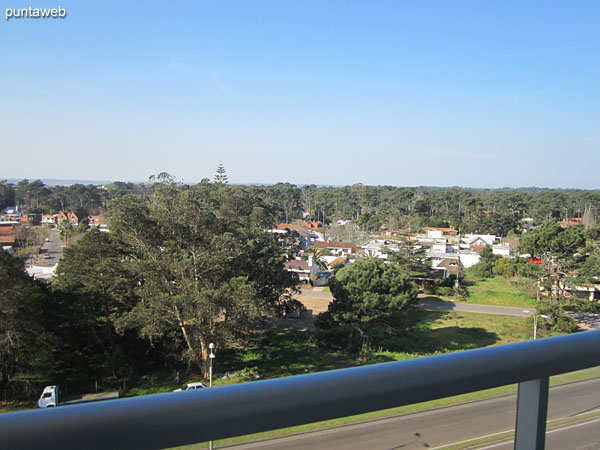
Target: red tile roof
[292,226]
[439,229]
[7,239]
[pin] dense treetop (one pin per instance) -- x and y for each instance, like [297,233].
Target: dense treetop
[494,211]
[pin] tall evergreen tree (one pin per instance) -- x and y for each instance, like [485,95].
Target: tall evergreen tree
[221,175]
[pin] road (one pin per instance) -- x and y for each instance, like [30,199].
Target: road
[53,248]
[445,426]
[472,308]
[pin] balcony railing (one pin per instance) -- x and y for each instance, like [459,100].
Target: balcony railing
[166,420]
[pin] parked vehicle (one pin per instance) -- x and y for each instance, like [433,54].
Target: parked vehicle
[191,387]
[50,397]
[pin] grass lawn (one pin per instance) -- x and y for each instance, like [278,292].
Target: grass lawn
[497,291]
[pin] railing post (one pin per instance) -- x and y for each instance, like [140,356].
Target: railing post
[532,410]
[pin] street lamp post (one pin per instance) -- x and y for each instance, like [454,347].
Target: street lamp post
[535,319]
[211,346]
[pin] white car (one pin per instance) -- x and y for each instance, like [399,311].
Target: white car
[191,387]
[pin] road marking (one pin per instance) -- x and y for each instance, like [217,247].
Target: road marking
[474,439]
[507,440]
[573,426]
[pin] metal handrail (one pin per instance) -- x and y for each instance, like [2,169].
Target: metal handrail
[167,420]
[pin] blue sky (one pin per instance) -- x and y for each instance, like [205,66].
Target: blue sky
[405,93]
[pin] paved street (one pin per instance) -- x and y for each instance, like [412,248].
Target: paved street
[444,426]
[53,248]
[469,307]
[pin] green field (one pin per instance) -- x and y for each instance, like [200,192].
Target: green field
[284,352]
[497,291]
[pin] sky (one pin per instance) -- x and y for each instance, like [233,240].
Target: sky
[403,93]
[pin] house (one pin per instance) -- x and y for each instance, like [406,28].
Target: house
[528,224]
[313,224]
[292,227]
[306,237]
[571,221]
[451,265]
[300,267]
[73,219]
[501,249]
[439,246]
[438,233]
[9,231]
[62,216]
[337,247]
[31,219]
[98,222]
[49,219]
[377,248]
[437,257]
[394,232]
[477,244]
[12,213]
[468,258]
[70,217]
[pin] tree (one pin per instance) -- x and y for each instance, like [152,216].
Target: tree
[317,257]
[7,194]
[413,260]
[557,248]
[221,175]
[25,347]
[369,292]
[65,230]
[93,287]
[207,270]
[589,218]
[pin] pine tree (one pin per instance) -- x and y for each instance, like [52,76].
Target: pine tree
[589,218]
[221,175]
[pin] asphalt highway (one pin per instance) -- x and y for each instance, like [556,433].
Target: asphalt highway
[444,426]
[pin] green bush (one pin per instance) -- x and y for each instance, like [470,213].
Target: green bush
[444,290]
[341,337]
[581,305]
[480,271]
[558,322]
